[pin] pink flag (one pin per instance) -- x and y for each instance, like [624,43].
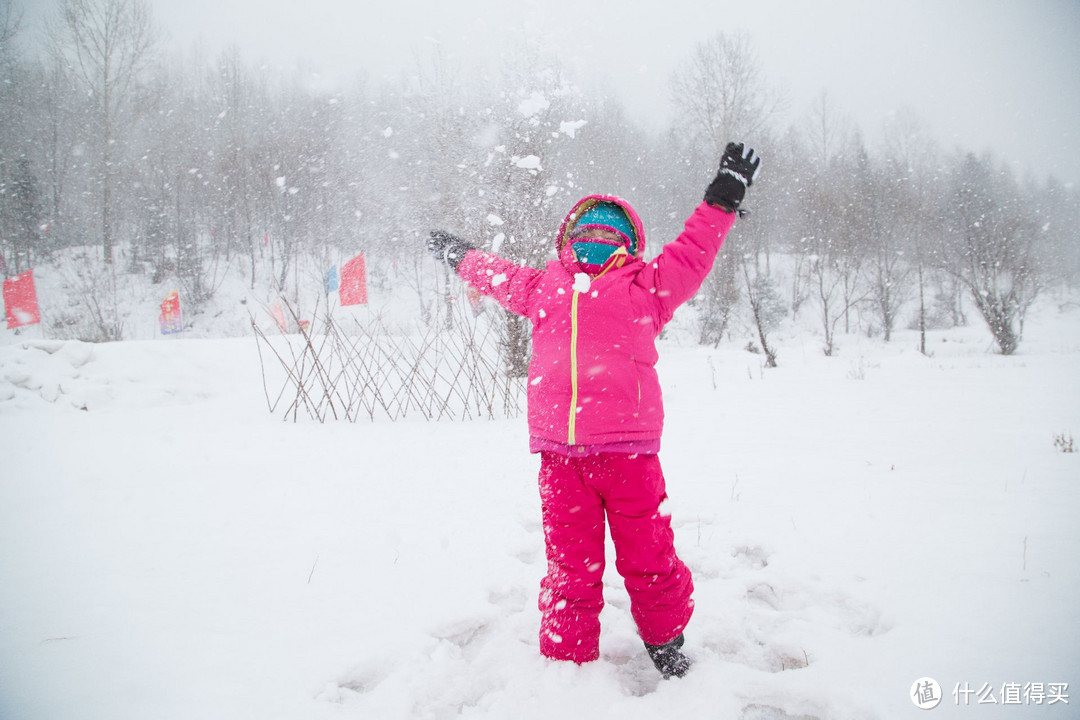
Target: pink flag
[279,316]
[20,300]
[353,290]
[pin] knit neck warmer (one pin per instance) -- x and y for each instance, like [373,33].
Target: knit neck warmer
[596,255]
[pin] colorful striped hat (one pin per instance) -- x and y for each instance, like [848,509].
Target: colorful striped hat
[609,216]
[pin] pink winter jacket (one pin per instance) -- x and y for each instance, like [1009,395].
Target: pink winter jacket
[592,379]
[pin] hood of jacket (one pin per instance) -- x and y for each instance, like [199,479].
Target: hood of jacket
[587,203]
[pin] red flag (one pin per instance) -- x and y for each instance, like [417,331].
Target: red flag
[20,300]
[171,319]
[353,290]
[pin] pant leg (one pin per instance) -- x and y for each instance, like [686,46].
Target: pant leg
[571,595]
[659,584]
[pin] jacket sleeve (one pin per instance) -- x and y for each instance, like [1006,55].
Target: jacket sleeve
[681,267]
[511,285]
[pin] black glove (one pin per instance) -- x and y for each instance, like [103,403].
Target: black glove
[448,247]
[738,167]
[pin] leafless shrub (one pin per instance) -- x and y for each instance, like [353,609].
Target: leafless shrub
[92,312]
[367,371]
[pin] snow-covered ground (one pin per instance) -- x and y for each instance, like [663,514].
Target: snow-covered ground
[170,550]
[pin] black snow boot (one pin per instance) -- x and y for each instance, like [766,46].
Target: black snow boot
[668,658]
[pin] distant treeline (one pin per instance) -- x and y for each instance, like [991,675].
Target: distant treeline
[171,165]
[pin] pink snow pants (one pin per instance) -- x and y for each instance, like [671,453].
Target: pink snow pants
[576,494]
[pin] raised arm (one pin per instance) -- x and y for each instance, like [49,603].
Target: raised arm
[510,284]
[681,267]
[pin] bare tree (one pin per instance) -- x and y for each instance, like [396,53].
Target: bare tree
[232,90]
[836,272]
[104,44]
[834,213]
[523,184]
[828,131]
[721,96]
[13,161]
[10,21]
[1058,210]
[716,300]
[442,133]
[21,213]
[58,142]
[765,305]
[887,205]
[911,173]
[990,248]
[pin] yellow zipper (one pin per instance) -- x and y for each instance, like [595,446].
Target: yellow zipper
[616,261]
[573,369]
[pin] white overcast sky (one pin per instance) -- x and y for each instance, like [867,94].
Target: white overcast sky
[1002,75]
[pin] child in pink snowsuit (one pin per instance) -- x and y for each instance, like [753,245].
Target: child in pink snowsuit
[594,405]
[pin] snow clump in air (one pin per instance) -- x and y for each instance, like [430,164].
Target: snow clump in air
[529,162]
[533,105]
[570,127]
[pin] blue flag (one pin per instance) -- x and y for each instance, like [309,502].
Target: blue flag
[330,280]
